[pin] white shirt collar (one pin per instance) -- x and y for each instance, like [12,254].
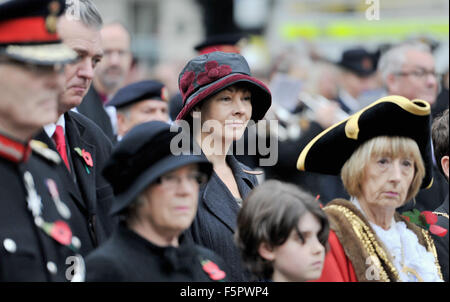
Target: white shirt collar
[50,128]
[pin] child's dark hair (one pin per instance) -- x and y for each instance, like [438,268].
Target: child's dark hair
[439,134]
[268,215]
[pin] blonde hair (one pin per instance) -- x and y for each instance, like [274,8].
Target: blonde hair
[352,172]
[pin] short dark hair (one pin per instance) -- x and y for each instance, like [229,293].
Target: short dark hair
[439,134]
[268,215]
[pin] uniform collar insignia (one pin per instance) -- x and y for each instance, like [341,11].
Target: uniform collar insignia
[14,150]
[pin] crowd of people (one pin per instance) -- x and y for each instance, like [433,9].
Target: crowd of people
[112,177]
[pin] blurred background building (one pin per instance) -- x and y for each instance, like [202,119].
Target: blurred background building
[167,30]
[295,47]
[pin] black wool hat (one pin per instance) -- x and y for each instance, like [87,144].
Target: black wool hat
[141,157]
[358,61]
[139,91]
[389,116]
[28,32]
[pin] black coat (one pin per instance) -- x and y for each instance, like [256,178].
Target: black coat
[128,257]
[441,243]
[92,190]
[27,253]
[92,107]
[215,223]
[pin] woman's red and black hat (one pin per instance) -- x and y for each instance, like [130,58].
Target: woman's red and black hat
[210,73]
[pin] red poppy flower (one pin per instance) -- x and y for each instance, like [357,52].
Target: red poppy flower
[437,230]
[61,232]
[214,272]
[430,217]
[210,266]
[87,158]
[217,275]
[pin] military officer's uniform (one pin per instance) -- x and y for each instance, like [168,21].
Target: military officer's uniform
[37,241]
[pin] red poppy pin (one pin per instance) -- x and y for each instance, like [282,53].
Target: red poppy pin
[426,220]
[214,272]
[86,157]
[59,231]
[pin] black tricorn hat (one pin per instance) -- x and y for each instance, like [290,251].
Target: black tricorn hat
[28,32]
[389,116]
[141,157]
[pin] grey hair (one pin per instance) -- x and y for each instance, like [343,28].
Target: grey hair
[87,11]
[393,59]
[131,213]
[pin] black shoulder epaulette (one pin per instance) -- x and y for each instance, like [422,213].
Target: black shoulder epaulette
[44,151]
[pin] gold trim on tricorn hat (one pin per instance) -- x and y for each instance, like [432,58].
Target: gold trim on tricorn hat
[389,116]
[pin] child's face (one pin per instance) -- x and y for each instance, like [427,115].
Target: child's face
[297,261]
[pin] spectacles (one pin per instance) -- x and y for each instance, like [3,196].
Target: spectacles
[420,73]
[171,181]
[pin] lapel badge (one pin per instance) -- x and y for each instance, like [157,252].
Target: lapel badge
[59,231]
[214,272]
[87,158]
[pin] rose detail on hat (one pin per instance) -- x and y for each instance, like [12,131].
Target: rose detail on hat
[187,82]
[213,71]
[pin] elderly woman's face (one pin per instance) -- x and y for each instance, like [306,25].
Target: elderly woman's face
[171,205]
[386,181]
[227,113]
